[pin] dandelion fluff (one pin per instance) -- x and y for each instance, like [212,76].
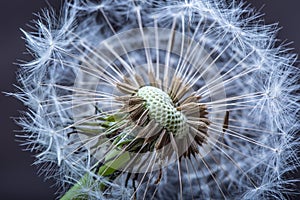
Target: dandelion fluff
[160,100]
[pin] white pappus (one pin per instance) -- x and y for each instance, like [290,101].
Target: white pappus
[160,99]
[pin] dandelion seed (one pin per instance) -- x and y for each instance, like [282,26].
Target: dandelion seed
[161,100]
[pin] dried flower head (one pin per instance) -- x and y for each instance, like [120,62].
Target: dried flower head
[156,99]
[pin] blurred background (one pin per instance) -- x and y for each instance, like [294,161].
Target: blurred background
[18,179]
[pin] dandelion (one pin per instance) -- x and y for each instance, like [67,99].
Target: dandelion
[160,100]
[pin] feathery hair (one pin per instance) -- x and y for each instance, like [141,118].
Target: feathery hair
[156,99]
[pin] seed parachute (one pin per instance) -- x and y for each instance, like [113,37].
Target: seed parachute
[185,99]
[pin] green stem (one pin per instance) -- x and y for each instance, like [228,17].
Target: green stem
[113,161]
[74,192]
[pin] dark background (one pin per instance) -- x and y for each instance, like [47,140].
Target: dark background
[18,179]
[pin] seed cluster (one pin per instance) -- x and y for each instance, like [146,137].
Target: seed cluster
[161,109]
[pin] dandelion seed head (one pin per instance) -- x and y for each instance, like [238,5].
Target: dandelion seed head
[161,109]
[156,99]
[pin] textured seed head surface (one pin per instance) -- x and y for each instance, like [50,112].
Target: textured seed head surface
[161,109]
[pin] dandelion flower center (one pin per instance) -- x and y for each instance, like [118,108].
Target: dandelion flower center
[161,109]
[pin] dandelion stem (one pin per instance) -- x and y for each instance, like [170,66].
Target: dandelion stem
[114,160]
[74,192]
